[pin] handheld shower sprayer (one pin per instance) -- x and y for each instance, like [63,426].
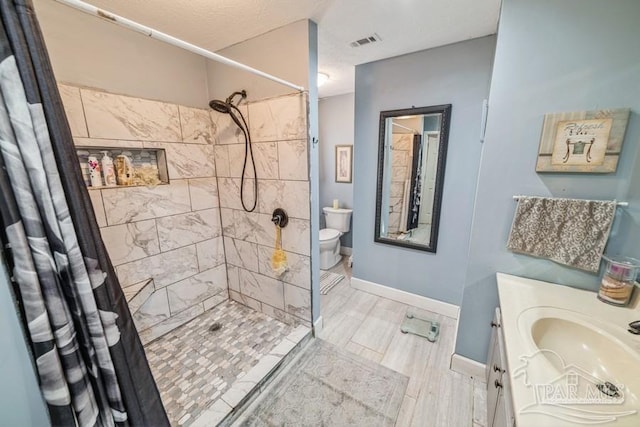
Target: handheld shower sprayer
[227,107]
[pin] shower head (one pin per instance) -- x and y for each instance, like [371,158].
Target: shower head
[220,106]
[226,106]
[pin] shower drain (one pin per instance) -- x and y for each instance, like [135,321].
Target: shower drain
[216,326]
[609,389]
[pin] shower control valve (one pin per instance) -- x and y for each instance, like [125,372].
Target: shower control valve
[280,218]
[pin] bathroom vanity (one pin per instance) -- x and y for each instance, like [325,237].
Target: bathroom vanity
[499,396]
[560,357]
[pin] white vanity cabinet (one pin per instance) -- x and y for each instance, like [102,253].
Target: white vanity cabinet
[499,406]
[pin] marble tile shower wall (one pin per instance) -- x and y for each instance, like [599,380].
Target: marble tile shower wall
[400,173]
[279,130]
[169,237]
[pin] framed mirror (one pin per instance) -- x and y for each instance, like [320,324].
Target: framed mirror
[411,161]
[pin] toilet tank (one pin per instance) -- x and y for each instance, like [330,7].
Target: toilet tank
[338,219]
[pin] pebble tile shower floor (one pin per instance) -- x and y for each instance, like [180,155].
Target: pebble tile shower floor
[194,366]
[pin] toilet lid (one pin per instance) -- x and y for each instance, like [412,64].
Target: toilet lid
[328,234]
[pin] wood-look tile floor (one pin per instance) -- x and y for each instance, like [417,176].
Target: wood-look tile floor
[369,326]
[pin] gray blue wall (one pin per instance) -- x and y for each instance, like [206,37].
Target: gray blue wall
[551,56]
[457,74]
[21,403]
[336,128]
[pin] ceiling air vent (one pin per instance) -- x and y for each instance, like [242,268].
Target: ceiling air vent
[367,40]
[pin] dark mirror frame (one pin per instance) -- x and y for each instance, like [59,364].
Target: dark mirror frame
[445,110]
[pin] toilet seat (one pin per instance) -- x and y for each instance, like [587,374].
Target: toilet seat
[328,234]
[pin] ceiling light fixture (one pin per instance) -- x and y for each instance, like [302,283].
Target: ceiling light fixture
[322,78]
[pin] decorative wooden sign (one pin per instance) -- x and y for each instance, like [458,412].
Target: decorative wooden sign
[582,142]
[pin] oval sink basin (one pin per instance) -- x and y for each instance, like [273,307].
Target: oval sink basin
[579,366]
[591,350]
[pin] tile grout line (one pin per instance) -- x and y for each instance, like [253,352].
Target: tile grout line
[84,113]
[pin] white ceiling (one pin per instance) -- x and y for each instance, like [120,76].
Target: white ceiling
[403,25]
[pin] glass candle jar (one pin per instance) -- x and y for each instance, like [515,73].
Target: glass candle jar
[618,280]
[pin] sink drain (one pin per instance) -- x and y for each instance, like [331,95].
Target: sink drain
[609,389]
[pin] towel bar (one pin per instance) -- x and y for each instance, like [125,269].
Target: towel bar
[621,204]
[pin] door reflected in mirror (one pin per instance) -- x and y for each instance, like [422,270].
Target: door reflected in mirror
[411,160]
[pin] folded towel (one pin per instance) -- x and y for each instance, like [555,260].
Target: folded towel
[568,231]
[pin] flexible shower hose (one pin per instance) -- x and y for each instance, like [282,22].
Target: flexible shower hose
[248,152]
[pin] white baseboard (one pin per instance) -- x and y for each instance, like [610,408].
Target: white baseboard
[464,365]
[455,338]
[345,251]
[318,325]
[439,307]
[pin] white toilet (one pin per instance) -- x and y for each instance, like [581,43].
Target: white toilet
[337,221]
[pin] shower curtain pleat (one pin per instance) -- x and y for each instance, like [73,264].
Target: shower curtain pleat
[90,362]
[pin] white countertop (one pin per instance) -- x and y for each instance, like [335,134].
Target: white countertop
[522,302]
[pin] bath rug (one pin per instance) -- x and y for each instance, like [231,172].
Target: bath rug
[328,280]
[568,231]
[328,386]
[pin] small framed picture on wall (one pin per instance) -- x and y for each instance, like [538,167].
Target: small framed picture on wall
[344,162]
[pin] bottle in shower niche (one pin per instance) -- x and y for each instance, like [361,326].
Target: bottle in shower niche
[108,170]
[124,170]
[94,171]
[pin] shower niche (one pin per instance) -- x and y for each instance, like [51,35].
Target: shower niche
[132,167]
